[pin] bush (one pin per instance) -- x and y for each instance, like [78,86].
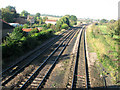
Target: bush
[49,25]
[64,26]
[33,31]
[25,26]
[53,27]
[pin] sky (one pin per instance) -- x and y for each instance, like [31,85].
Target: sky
[94,9]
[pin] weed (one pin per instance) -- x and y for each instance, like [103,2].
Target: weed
[99,38]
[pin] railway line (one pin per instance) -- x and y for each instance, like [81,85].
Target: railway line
[36,78]
[79,76]
[11,72]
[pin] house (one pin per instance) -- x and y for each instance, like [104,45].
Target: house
[6,28]
[51,21]
[21,20]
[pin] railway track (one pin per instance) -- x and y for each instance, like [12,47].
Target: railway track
[37,78]
[11,72]
[79,76]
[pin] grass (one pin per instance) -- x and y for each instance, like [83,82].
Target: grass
[105,47]
[103,28]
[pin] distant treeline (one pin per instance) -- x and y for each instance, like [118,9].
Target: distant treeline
[50,15]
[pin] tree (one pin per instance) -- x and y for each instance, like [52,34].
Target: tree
[64,26]
[63,20]
[25,26]
[112,21]
[49,25]
[25,13]
[45,18]
[103,21]
[40,21]
[11,8]
[9,13]
[113,29]
[72,19]
[37,15]
[15,36]
[58,25]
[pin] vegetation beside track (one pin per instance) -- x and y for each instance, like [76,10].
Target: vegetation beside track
[19,42]
[104,40]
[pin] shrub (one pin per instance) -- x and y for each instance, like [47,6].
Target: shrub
[49,25]
[64,26]
[25,26]
[53,27]
[33,31]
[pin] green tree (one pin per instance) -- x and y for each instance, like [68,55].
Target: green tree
[44,19]
[72,19]
[11,8]
[49,25]
[37,18]
[112,21]
[15,36]
[24,13]
[113,29]
[25,26]
[58,25]
[103,21]
[53,27]
[37,15]
[64,26]
[9,13]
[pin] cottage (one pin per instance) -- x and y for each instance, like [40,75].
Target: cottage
[21,20]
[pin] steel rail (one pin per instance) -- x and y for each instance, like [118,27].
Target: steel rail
[76,62]
[86,64]
[51,68]
[11,77]
[41,66]
[23,58]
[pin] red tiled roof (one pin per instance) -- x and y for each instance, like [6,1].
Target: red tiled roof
[52,20]
[3,21]
[27,29]
[6,25]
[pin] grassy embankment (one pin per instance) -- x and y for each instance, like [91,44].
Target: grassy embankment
[106,47]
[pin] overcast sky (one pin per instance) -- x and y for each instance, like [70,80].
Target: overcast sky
[95,9]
